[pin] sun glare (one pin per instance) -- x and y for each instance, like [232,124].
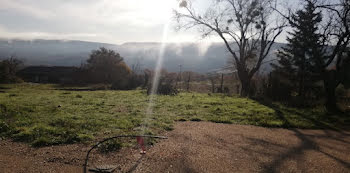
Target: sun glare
[156,9]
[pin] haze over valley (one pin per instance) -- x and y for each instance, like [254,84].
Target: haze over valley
[197,56]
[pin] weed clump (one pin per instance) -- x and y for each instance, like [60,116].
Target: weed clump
[110,146]
[164,89]
[5,129]
[41,135]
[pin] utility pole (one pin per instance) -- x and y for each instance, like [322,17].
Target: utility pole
[180,65]
[222,83]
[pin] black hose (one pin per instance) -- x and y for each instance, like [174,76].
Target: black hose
[115,137]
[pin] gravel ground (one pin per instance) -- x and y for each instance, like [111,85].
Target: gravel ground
[200,147]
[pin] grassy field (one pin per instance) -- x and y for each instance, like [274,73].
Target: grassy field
[47,114]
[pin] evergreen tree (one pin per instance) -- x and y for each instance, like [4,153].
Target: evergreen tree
[297,60]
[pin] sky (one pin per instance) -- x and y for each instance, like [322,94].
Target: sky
[107,21]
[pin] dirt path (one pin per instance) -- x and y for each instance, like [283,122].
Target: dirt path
[202,147]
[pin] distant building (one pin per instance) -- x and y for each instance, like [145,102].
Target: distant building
[45,74]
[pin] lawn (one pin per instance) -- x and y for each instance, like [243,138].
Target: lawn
[48,115]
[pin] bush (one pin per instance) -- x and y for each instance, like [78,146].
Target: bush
[107,67]
[128,83]
[164,89]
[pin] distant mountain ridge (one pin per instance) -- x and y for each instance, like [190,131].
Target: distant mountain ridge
[199,57]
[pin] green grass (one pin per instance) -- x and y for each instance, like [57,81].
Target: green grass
[44,115]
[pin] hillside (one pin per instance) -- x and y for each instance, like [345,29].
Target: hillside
[197,57]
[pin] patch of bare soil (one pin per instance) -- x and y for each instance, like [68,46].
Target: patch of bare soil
[200,147]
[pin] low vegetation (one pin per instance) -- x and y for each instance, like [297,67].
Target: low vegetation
[48,115]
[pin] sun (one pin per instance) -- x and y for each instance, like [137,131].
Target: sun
[157,9]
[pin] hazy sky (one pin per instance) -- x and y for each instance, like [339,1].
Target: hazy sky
[110,21]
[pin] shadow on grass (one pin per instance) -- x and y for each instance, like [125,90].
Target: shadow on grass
[82,87]
[2,89]
[78,89]
[318,121]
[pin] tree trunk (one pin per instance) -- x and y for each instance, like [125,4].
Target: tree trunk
[222,83]
[245,79]
[331,102]
[245,87]
[146,76]
[188,81]
[212,85]
[330,85]
[301,92]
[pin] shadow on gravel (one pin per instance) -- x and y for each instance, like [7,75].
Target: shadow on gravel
[133,168]
[307,143]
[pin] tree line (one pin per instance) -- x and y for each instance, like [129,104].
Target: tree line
[107,67]
[317,50]
[315,61]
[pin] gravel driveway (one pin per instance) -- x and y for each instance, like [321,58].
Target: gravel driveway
[202,147]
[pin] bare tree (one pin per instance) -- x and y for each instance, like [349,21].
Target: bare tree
[136,67]
[9,68]
[188,75]
[337,36]
[245,26]
[147,78]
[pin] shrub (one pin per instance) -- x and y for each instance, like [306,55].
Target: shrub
[5,129]
[128,83]
[165,88]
